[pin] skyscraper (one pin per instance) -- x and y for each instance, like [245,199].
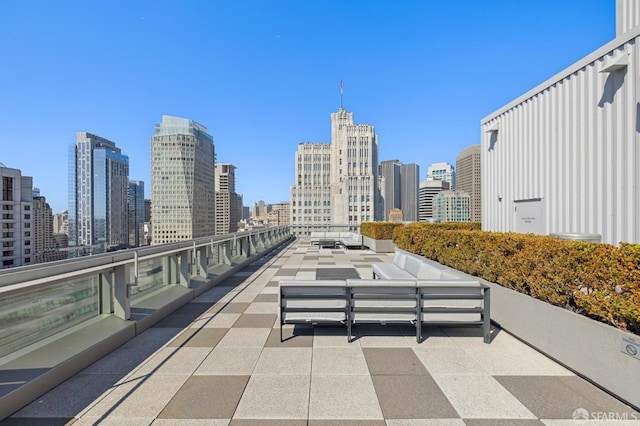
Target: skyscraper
[337,182]
[98,193]
[468,178]
[354,172]
[409,185]
[227,212]
[136,213]
[16,204]
[426,193]
[182,181]
[451,206]
[389,176]
[311,194]
[442,171]
[399,188]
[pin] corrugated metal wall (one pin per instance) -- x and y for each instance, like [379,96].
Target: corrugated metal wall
[627,15]
[574,142]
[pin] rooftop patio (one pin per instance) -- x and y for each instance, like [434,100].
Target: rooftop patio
[218,360]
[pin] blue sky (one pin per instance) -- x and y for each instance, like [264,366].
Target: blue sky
[264,76]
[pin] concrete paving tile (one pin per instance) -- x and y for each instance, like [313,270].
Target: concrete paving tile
[245,337]
[191,422]
[275,397]
[590,422]
[481,397]
[333,336]
[298,336]
[173,360]
[448,361]
[345,422]
[284,361]
[305,275]
[339,361]
[503,422]
[202,337]
[223,394]
[213,295]
[551,397]
[245,297]
[501,360]
[140,397]
[114,421]
[393,361]
[194,308]
[263,307]
[271,290]
[216,320]
[57,404]
[425,422]
[255,321]
[128,356]
[262,298]
[229,361]
[330,400]
[412,397]
[176,321]
[233,308]
[267,422]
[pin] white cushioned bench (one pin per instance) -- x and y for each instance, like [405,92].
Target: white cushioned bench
[418,302]
[347,239]
[407,265]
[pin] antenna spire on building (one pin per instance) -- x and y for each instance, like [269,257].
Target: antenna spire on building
[341,93]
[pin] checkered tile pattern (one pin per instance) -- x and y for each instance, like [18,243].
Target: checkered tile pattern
[219,361]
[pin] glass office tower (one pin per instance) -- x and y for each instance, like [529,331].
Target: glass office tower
[98,193]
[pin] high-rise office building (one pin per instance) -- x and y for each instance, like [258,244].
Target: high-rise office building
[136,213]
[399,188]
[442,171]
[45,248]
[389,178]
[451,206]
[280,214]
[468,178]
[61,222]
[426,193]
[16,207]
[182,181]
[409,186]
[227,211]
[98,193]
[311,195]
[354,173]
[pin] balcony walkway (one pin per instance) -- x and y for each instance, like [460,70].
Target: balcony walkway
[219,361]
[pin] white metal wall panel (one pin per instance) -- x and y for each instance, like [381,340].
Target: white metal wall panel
[574,143]
[627,15]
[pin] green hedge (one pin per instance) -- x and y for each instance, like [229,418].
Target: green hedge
[600,281]
[379,230]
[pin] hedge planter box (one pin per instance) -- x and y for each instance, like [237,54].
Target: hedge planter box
[379,246]
[603,354]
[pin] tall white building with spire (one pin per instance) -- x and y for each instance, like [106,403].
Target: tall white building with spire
[337,182]
[354,171]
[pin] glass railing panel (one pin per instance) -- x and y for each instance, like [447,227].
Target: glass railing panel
[150,277]
[35,314]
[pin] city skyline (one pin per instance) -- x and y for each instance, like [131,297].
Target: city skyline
[265,78]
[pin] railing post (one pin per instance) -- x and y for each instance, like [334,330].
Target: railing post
[122,299]
[184,278]
[202,261]
[106,293]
